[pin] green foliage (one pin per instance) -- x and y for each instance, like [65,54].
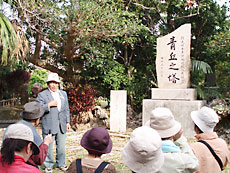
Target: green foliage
[223,78]
[112,44]
[38,76]
[8,39]
[201,66]
[106,75]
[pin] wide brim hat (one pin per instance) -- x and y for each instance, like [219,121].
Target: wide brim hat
[32,111]
[53,77]
[162,120]
[23,132]
[143,152]
[205,118]
[97,140]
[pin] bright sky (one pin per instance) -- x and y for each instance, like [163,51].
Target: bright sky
[222,2]
[5,7]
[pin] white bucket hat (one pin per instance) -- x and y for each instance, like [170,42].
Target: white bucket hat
[205,118]
[162,120]
[21,131]
[53,77]
[143,152]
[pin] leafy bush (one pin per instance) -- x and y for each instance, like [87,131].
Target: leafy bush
[38,76]
[81,99]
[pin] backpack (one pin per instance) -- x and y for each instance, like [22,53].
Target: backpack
[99,169]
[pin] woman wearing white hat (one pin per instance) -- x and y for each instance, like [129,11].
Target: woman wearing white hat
[212,151]
[178,155]
[142,154]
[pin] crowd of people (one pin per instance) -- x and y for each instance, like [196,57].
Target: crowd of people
[158,146]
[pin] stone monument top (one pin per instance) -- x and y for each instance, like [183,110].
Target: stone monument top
[173,59]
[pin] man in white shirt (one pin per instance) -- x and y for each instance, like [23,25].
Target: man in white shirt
[56,120]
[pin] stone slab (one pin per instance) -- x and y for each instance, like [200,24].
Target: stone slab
[173,58]
[173,94]
[180,109]
[118,110]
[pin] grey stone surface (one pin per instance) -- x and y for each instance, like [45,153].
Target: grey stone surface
[173,58]
[173,94]
[118,110]
[181,110]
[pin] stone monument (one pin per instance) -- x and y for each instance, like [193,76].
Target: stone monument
[118,110]
[173,77]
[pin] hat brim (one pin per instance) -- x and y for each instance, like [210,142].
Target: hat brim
[85,145]
[171,131]
[41,113]
[153,165]
[199,123]
[52,80]
[168,132]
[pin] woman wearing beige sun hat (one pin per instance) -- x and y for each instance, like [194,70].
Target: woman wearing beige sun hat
[142,154]
[205,121]
[177,153]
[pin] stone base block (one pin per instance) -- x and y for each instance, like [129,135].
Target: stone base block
[181,110]
[174,94]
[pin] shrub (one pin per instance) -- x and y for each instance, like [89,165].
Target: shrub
[81,99]
[38,76]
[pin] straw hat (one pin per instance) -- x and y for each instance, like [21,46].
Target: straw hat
[143,153]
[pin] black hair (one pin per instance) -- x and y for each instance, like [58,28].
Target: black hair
[163,139]
[30,120]
[94,153]
[200,131]
[9,147]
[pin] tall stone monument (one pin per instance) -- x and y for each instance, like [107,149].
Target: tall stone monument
[118,109]
[173,77]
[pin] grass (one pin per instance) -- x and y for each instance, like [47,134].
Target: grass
[74,150]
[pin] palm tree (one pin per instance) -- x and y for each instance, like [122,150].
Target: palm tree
[13,43]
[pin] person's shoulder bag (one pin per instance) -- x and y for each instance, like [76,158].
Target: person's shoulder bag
[213,153]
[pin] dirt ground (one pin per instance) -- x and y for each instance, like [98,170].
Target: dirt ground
[74,150]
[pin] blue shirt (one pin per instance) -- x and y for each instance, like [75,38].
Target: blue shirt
[37,138]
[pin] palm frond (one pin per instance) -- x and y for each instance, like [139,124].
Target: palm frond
[201,66]
[12,41]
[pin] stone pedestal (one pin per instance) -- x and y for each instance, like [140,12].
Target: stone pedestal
[173,94]
[118,110]
[182,103]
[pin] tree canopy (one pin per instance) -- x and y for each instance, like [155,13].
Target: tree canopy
[111,44]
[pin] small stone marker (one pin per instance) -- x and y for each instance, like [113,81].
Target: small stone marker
[118,110]
[173,59]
